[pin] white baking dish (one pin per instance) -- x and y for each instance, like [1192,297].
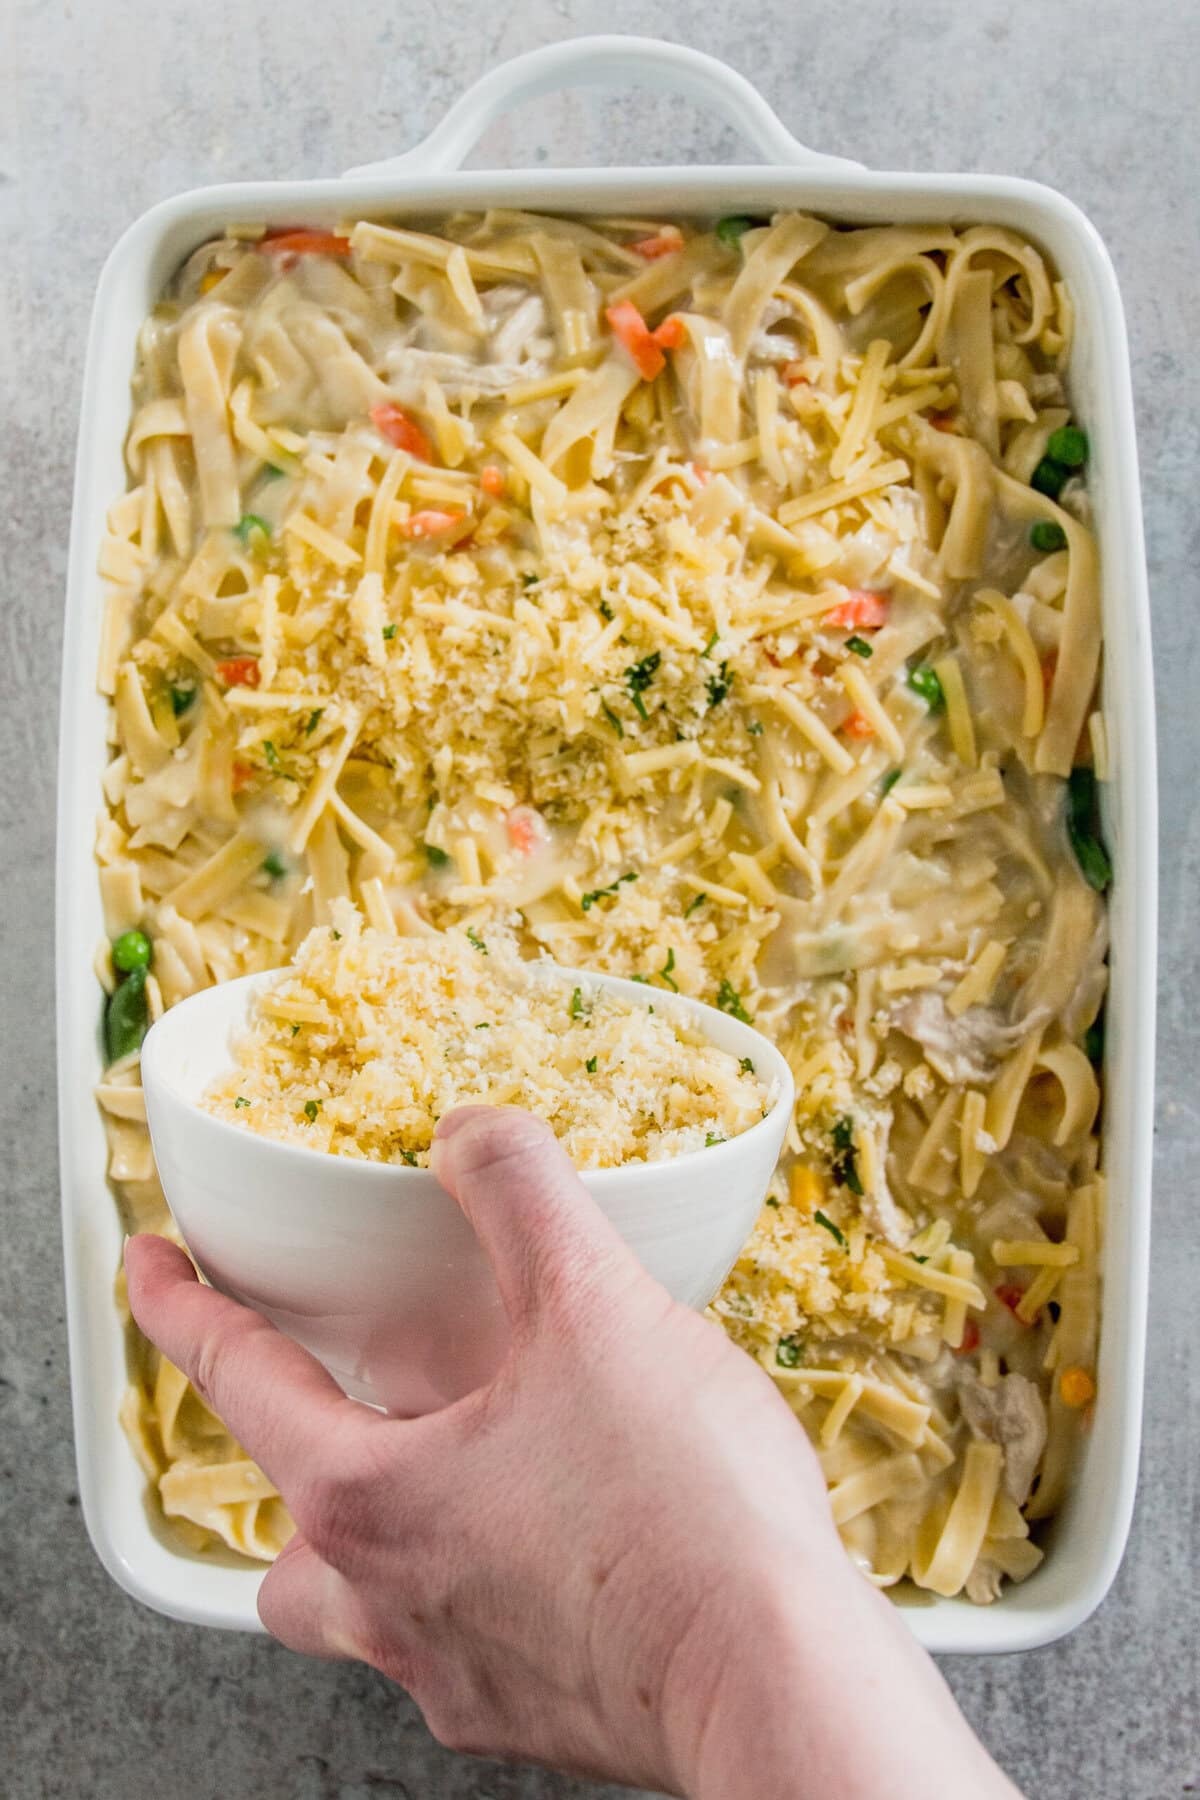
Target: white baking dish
[1086,1541]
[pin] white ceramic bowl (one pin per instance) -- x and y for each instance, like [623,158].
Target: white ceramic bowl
[1086,1540]
[374,1268]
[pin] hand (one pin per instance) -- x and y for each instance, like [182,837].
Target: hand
[617,1558]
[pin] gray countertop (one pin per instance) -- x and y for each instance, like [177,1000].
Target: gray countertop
[109,105]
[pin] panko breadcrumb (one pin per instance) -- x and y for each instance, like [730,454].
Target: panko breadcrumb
[371,1037]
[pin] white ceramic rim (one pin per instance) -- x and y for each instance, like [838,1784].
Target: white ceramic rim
[1089,1536]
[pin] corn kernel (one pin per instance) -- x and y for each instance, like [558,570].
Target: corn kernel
[1076,1387]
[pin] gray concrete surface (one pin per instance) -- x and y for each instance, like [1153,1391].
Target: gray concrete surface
[107,107]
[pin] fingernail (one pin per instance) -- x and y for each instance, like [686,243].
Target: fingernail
[450,1123]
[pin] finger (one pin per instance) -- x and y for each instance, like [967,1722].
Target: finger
[301,1601]
[535,1219]
[274,1397]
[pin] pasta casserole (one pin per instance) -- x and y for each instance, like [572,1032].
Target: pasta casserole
[708,603]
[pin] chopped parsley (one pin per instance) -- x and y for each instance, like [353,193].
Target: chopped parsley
[889,781]
[712,643]
[606,612]
[638,677]
[755,728]
[612,718]
[590,899]
[335,935]
[436,857]
[275,866]
[311,1108]
[410,1157]
[730,1001]
[693,905]
[830,1227]
[314,719]
[577,1008]
[240,1101]
[181,698]
[664,973]
[272,755]
[590,1065]
[713,1137]
[295,1031]
[859,646]
[845,1160]
[475,941]
[389,632]
[789,1351]
[747,1065]
[718,685]
[484,1025]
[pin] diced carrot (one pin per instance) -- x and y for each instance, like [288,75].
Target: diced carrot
[240,671]
[1010,1295]
[970,1338]
[526,829]
[430,523]
[491,480]
[631,330]
[302,242]
[671,333]
[401,429]
[664,243]
[1076,1387]
[794,375]
[243,774]
[213,279]
[859,726]
[860,609]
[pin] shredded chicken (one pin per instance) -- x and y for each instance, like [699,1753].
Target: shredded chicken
[408,369]
[964,1051]
[1013,1415]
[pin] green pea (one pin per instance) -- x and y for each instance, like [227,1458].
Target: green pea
[924,681]
[1047,536]
[131,951]
[127,1016]
[275,866]
[1050,477]
[251,525]
[1069,446]
[731,231]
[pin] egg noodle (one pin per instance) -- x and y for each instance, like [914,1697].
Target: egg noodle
[712,605]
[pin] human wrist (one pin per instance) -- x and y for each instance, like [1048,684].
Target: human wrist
[803,1681]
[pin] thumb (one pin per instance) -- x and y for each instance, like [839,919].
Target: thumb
[544,1235]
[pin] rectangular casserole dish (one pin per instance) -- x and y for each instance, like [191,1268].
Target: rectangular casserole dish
[1086,1540]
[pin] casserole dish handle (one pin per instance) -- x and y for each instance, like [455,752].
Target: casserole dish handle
[605,61]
